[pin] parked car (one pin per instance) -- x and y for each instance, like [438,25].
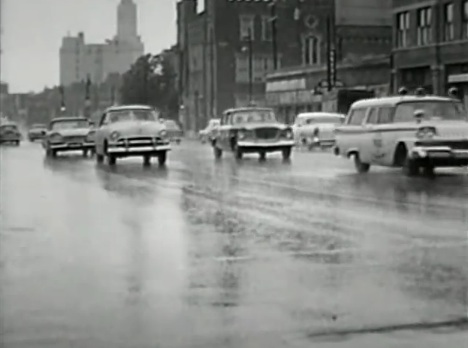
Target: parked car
[68,134]
[316,129]
[131,131]
[410,131]
[37,132]
[207,134]
[252,130]
[174,132]
[10,133]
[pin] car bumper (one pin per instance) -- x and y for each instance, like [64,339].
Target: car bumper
[71,146]
[440,156]
[255,146]
[138,150]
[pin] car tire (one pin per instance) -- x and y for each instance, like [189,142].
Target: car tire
[111,160]
[85,153]
[17,143]
[361,167]
[238,152]
[262,156]
[428,170]
[410,167]
[99,158]
[287,153]
[218,153]
[162,157]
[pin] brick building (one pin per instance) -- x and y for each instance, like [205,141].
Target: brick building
[360,35]
[431,45]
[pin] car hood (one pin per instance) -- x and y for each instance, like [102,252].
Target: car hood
[253,126]
[321,126]
[72,132]
[137,128]
[452,129]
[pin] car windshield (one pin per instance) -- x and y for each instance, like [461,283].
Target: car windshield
[8,128]
[38,126]
[433,110]
[253,116]
[69,124]
[213,123]
[324,119]
[132,115]
[171,125]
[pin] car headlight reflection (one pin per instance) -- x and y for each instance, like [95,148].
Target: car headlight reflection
[163,133]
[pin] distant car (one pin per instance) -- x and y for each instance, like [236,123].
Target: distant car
[9,133]
[412,132]
[252,130]
[37,132]
[68,134]
[207,134]
[174,132]
[131,131]
[316,129]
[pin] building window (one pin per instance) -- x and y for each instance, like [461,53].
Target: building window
[449,28]
[247,25]
[403,27]
[267,33]
[465,19]
[311,51]
[424,32]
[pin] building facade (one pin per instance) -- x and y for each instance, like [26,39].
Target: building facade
[431,45]
[80,60]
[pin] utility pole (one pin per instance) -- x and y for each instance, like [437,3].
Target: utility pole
[438,37]
[331,55]
[249,48]
[212,72]
[62,99]
[273,19]
[87,108]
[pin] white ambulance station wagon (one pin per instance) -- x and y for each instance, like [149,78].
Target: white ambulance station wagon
[412,132]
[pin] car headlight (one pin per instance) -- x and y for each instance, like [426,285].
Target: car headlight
[288,133]
[56,138]
[162,133]
[115,136]
[426,133]
[90,136]
[241,135]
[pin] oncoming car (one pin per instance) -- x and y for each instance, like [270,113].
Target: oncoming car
[9,133]
[207,134]
[68,134]
[316,129]
[174,132]
[129,131]
[37,132]
[252,130]
[411,132]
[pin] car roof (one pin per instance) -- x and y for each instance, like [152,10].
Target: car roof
[8,123]
[247,108]
[394,100]
[319,114]
[71,118]
[129,107]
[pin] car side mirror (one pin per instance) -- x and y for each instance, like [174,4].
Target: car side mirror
[419,115]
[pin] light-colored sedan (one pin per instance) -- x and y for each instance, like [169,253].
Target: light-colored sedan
[131,131]
[316,129]
[68,134]
[207,134]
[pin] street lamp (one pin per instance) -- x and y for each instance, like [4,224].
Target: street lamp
[249,50]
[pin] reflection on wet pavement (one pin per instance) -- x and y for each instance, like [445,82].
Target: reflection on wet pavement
[217,254]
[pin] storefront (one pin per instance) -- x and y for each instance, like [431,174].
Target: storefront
[457,76]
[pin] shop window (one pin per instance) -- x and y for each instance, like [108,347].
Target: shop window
[449,28]
[247,26]
[465,19]
[267,33]
[424,28]
[311,51]
[403,27]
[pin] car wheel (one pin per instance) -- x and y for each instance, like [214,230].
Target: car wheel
[146,160]
[238,152]
[410,167]
[85,153]
[99,158]
[162,157]
[361,167]
[262,156]
[17,142]
[428,170]
[218,153]
[287,153]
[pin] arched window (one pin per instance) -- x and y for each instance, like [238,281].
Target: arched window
[311,51]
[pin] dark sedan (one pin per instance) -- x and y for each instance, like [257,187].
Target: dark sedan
[37,132]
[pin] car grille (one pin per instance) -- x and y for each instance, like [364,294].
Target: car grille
[267,133]
[454,145]
[139,141]
[74,139]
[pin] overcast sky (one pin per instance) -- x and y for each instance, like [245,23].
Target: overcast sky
[33,30]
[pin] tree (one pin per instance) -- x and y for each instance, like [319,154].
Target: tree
[151,81]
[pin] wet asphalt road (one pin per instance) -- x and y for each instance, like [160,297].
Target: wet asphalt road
[220,254]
